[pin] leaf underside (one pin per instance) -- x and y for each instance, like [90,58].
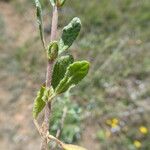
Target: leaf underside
[74,74]
[70,33]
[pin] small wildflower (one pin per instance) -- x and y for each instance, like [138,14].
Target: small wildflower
[143,130]
[115,121]
[113,125]
[137,144]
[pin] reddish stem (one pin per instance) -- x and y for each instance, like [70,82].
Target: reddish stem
[49,77]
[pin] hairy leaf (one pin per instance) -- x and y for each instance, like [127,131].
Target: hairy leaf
[39,104]
[72,147]
[60,69]
[70,33]
[46,95]
[74,74]
[52,50]
[40,20]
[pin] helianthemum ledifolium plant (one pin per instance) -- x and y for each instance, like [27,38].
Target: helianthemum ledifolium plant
[62,71]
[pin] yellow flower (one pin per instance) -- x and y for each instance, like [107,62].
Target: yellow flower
[115,121]
[113,125]
[137,144]
[143,130]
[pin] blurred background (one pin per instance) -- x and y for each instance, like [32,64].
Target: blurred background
[110,108]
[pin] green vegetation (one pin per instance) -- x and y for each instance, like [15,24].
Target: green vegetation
[62,74]
[114,98]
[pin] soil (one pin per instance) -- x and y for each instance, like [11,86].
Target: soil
[17,131]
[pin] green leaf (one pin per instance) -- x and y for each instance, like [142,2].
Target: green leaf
[60,69]
[48,94]
[58,3]
[62,2]
[40,20]
[74,74]
[70,33]
[72,147]
[39,104]
[44,95]
[52,50]
[52,2]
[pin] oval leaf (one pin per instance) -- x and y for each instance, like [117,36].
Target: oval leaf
[74,74]
[72,147]
[39,104]
[60,69]
[70,33]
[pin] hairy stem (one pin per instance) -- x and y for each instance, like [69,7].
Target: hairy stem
[54,24]
[49,78]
